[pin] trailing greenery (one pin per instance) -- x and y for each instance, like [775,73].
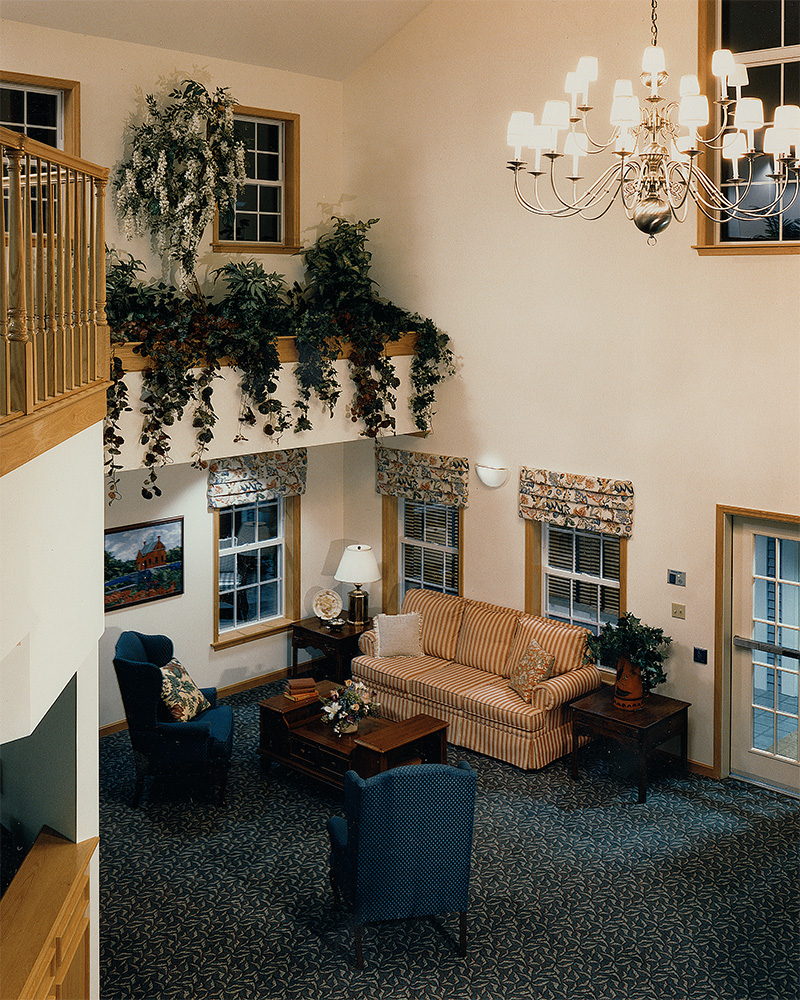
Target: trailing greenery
[258,309]
[183,334]
[644,646]
[184,160]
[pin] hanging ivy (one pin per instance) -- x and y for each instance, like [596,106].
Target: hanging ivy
[183,334]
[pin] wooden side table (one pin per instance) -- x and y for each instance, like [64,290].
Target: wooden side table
[338,644]
[657,721]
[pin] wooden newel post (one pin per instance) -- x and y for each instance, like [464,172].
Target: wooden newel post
[103,353]
[20,347]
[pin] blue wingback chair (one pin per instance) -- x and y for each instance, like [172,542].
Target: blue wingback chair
[161,746]
[404,847]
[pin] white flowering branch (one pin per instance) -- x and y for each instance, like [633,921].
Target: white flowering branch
[184,160]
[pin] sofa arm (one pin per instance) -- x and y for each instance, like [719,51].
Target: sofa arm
[366,642]
[557,690]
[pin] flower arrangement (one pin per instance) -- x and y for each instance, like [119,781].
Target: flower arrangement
[348,705]
[184,159]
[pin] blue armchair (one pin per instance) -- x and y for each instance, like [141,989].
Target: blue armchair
[404,847]
[161,746]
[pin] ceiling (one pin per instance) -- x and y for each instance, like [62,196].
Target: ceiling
[327,38]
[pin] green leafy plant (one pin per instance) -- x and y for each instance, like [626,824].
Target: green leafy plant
[183,161]
[258,309]
[644,646]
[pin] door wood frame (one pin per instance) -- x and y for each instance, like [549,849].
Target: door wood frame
[723,576]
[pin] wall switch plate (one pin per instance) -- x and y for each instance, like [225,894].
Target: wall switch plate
[676,577]
[679,611]
[700,655]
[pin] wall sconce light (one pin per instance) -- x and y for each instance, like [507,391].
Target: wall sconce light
[491,476]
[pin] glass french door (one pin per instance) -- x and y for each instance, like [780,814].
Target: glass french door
[765,656]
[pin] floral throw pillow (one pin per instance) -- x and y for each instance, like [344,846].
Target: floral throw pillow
[183,698]
[534,666]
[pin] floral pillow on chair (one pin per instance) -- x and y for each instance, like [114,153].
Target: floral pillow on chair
[183,698]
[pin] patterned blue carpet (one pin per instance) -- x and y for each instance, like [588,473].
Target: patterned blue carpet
[577,892]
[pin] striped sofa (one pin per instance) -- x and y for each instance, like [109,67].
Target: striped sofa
[469,649]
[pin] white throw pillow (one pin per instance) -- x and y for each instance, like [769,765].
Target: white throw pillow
[398,635]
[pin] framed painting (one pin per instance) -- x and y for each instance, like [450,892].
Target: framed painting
[143,562]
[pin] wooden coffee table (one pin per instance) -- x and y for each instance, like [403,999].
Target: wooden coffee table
[294,734]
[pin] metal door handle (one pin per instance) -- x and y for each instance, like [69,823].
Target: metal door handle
[766,647]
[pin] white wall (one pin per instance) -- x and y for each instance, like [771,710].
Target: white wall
[188,618]
[581,348]
[116,76]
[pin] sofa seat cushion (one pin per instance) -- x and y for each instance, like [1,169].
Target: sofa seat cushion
[498,703]
[394,672]
[441,620]
[447,683]
[484,641]
[565,642]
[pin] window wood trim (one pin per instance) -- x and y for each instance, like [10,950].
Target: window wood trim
[72,103]
[706,229]
[390,554]
[534,570]
[291,584]
[291,189]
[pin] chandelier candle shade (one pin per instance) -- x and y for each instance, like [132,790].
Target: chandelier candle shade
[358,565]
[655,144]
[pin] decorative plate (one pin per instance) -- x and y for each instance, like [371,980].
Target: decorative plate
[327,604]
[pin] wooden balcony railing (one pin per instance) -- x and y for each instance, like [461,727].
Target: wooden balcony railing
[54,341]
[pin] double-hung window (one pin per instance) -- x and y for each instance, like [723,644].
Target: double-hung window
[764,36]
[44,108]
[429,546]
[251,564]
[581,576]
[265,218]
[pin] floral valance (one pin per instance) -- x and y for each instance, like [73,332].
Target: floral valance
[586,502]
[413,475]
[247,478]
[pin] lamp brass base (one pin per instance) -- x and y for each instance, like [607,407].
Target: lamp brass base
[358,610]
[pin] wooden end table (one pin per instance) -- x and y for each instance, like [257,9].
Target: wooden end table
[658,720]
[339,644]
[293,734]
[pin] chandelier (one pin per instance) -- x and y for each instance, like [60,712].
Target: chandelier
[656,145]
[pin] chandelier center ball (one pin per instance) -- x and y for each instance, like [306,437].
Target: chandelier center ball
[652,215]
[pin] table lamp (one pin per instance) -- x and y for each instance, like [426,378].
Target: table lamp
[358,565]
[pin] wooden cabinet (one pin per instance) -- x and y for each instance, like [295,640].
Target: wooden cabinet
[44,923]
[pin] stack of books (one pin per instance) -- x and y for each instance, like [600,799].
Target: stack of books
[301,689]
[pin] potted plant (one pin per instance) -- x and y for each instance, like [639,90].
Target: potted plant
[347,706]
[638,651]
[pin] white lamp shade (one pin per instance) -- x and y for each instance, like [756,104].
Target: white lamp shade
[491,476]
[623,88]
[738,77]
[576,144]
[625,111]
[693,110]
[689,85]
[777,141]
[722,63]
[358,565]
[733,145]
[587,68]
[520,126]
[749,113]
[543,137]
[573,84]
[556,114]
[787,116]
[653,60]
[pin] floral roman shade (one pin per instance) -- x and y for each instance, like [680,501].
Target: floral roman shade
[586,502]
[247,478]
[413,475]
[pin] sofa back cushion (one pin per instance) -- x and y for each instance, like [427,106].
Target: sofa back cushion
[565,642]
[441,620]
[487,632]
